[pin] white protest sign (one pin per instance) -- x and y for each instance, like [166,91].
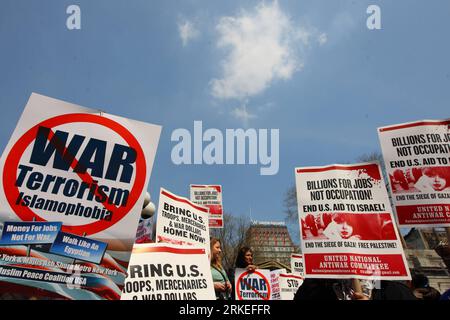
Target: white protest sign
[209,196]
[275,284]
[75,179]
[289,284]
[297,264]
[252,285]
[346,223]
[159,271]
[144,233]
[180,221]
[417,159]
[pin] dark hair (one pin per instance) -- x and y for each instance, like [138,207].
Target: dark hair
[240,259]
[338,218]
[435,171]
[420,281]
[215,261]
[442,172]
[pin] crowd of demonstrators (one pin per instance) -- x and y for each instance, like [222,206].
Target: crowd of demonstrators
[341,289]
[222,284]
[332,289]
[324,289]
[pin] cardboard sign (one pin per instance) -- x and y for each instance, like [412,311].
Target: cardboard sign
[297,264]
[73,181]
[252,285]
[417,159]
[209,196]
[19,233]
[81,248]
[289,284]
[275,283]
[346,224]
[181,222]
[159,271]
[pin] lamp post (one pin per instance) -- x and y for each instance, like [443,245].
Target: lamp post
[148,209]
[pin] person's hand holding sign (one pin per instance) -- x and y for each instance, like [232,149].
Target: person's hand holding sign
[251,268]
[219,286]
[359,296]
[228,284]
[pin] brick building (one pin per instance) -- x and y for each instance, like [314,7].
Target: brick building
[428,253]
[270,241]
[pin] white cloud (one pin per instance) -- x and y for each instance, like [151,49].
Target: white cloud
[322,39]
[242,114]
[187,31]
[303,35]
[263,47]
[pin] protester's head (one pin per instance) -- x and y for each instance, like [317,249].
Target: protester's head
[216,252]
[420,281]
[343,226]
[438,178]
[244,257]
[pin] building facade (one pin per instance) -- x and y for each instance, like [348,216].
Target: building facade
[426,238]
[429,263]
[270,241]
[428,253]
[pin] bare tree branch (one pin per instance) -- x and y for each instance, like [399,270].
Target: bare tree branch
[290,205]
[232,237]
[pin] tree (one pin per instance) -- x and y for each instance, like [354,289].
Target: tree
[232,237]
[290,204]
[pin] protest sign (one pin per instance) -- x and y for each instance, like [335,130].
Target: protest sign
[289,284]
[73,182]
[297,264]
[180,221]
[252,285]
[160,271]
[417,159]
[144,233]
[346,223]
[275,283]
[209,196]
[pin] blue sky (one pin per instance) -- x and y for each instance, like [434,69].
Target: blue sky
[317,74]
